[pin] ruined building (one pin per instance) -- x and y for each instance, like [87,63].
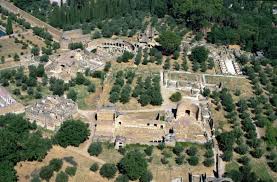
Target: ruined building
[66,64]
[186,122]
[51,111]
[5,98]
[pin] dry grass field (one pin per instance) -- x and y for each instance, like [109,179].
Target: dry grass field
[162,173]
[25,170]
[9,47]
[165,173]
[34,39]
[184,76]
[232,83]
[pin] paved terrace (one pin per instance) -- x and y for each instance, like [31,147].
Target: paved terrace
[57,34]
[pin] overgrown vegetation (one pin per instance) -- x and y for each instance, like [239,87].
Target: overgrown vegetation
[15,132]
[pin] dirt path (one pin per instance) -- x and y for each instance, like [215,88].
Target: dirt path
[85,154]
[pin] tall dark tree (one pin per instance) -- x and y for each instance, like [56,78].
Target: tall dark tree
[9,26]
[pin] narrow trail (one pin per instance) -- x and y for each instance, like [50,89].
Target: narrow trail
[85,154]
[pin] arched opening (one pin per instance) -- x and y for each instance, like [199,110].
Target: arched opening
[188,112]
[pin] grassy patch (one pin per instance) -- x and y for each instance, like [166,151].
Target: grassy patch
[231,166]
[232,83]
[109,154]
[82,94]
[259,167]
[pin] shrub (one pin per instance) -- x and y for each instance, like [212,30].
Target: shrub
[62,177]
[122,178]
[70,160]
[208,162]
[91,87]
[192,151]
[161,146]
[257,153]
[180,160]
[241,149]
[108,170]
[272,156]
[178,149]
[273,165]
[227,155]
[244,160]
[56,164]
[46,173]
[95,149]
[77,45]
[164,160]
[94,167]
[209,153]
[167,153]
[176,97]
[193,160]
[71,171]
[146,177]
[149,150]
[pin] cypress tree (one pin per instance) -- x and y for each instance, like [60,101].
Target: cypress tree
[9,26]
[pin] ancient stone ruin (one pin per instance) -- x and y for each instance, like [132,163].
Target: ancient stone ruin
[51,111]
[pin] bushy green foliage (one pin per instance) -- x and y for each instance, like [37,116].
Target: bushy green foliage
[46,172]
[193,160]
[122,178]
[108,170]
[125,57]
[149,150]
[148,91]
[77,45]
[72,94]
[9,26]
[208,162]
[16,132]
[176,97]
[61,177]
[71,171]
[94,167]
[179,159]
[133,164]
[178,149]
[146,177]
[192,151]
[95,149]
[169,41]
[56,164]
[71,132]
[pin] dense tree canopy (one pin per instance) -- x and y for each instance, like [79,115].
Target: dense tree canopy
[247,23]
[133,164]
[108,170]
[169,41]
[72,132]
[19,141]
